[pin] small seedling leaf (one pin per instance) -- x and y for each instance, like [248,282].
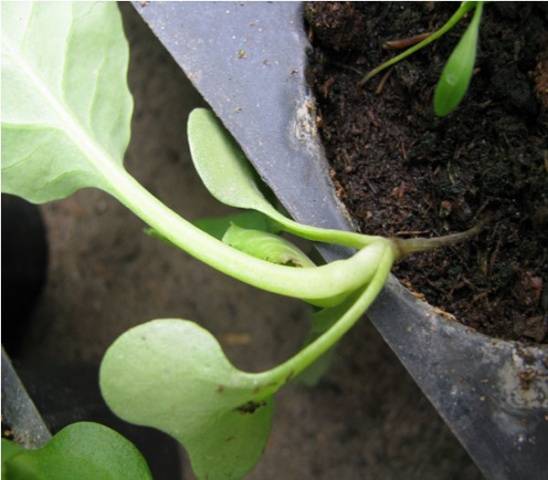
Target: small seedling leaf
[228,176]
[458,70]
[266,246]
[222,165]
[83,451]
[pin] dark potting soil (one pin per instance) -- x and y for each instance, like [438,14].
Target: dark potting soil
[402,171]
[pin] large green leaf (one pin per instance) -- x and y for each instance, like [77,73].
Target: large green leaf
[66,107]
[83,451]
[65,125]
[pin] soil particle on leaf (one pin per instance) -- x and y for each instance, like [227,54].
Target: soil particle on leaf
[250,407]
[402,171]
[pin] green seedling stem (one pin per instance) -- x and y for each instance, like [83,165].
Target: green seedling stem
[464,8]
[367,295]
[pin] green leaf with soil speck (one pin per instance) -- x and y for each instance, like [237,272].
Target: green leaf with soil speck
[173,375]
[266,246]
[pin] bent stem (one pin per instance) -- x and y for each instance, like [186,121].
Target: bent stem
[281,374]
[322,285]
[455,18]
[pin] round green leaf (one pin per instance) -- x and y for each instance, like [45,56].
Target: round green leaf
[173,375]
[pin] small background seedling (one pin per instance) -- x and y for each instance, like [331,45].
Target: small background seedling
[457,73]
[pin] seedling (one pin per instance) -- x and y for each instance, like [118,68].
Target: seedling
[457,73]
[83,451]
[65,126]
[172,375]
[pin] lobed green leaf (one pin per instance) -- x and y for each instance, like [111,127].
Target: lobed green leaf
[172,375]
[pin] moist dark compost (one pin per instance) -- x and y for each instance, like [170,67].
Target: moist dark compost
[402,171]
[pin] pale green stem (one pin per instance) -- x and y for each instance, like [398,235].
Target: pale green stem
[319,283]
[455,18]
[325,235]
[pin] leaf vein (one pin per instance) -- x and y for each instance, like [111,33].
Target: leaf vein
[65,56]
[95,95]
[21,160]
[26,29]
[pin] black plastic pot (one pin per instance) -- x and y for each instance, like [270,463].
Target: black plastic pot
[248,60]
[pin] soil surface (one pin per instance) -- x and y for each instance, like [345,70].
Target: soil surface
[367,419]
[402,171]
